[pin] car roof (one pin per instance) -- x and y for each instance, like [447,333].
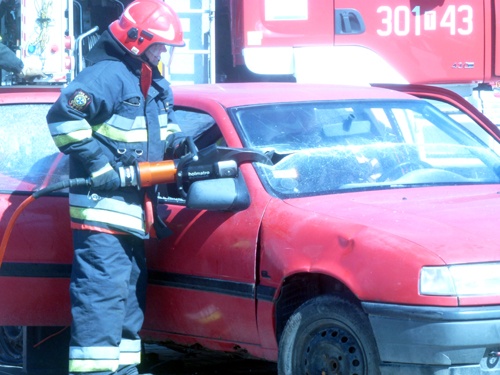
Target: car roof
[29,94]
[229,94]
[239,94]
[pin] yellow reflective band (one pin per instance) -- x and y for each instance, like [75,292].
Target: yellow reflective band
[103,170]
[66,127]
[127,358]
[106,204]
[89,365]
[164,133]
[76,136]
[107,217]
[163,119]
[137,135]
[127,345]
[124,123]
[171,128]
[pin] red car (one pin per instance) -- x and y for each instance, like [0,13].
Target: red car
[357,235]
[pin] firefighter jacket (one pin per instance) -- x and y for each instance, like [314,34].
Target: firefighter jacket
[102,119]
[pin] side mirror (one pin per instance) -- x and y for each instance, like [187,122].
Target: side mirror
[221,194]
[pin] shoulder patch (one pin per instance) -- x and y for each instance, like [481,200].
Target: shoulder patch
[79,100]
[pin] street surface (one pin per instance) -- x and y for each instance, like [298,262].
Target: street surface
[168,362]
[162,361]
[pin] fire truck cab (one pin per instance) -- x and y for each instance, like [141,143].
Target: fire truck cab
[451,43]
[425,42]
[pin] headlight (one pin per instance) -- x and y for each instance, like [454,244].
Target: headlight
[481,279]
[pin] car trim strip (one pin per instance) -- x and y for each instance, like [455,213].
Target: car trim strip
[172,280]
[234,288]
[55,271]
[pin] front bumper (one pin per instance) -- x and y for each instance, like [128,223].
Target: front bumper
[441,337]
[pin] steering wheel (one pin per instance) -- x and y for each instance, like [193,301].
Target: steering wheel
[403,168]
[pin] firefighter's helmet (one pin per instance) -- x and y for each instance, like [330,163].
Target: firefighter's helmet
[147,22]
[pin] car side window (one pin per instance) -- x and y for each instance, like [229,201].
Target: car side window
[464,119]
[205,132]
[29,158]
[201,126]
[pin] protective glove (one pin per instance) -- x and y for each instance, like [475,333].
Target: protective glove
[176,146]
[105,179]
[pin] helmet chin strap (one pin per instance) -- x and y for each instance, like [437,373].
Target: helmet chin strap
[146,78]
[145,59]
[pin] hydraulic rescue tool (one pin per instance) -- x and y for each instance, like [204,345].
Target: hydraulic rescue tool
[209,163]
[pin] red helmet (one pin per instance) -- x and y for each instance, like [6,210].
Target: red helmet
[147,22]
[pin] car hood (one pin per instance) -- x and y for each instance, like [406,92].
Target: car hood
[459,224]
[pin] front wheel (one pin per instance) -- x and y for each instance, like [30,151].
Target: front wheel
[328,335]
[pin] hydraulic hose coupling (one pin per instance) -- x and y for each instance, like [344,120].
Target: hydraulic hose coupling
[128,176]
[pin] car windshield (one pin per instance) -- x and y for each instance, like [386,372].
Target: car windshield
[329,147]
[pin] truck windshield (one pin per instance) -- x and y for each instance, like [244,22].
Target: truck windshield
[328,147]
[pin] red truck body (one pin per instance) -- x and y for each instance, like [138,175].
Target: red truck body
[424,42]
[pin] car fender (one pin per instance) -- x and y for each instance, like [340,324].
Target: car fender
[294,241]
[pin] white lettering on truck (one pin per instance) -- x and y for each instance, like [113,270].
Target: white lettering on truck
[398,21]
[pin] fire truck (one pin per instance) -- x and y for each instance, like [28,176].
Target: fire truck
[440,42]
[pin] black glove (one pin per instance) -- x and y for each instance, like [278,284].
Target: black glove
[106,179]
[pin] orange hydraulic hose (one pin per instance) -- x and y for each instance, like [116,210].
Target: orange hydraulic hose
[31,198]
[10,225]
[149,174]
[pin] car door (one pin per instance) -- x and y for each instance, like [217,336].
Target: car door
[38,251]
[202,277]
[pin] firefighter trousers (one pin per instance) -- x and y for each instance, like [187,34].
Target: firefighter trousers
[107,290]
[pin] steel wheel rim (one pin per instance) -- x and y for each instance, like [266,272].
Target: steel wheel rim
[333,351]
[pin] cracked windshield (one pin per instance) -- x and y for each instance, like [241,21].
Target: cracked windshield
[331,147]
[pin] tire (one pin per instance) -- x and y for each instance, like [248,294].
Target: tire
[328,335]
[11,345]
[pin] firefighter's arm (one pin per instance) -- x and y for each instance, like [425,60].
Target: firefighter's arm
[68,121]
[175,141]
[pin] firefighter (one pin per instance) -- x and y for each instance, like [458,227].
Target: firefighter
[117,111]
